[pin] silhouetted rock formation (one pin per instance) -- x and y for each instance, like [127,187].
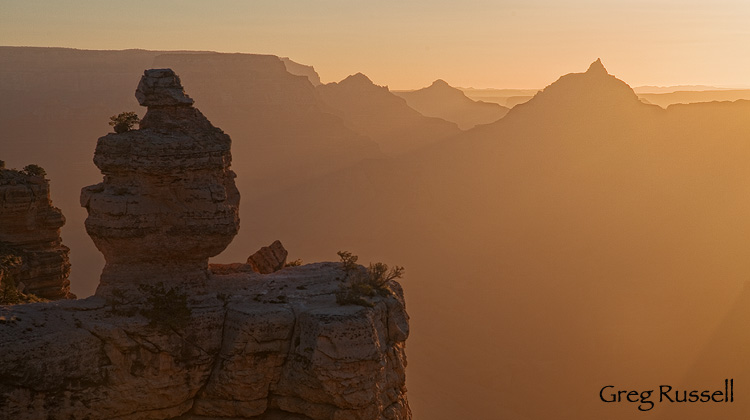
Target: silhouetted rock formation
[168,201]
[30,228]
[595,89]
[187,343]
[443,101]
[386,118]
[56,99]
[273,116]
[594,92]
[301,70]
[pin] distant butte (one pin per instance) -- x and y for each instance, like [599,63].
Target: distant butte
[381,115]
[441,100]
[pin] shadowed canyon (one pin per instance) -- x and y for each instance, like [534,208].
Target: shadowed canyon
[588,236]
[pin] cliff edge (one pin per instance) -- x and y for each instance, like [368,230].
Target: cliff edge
[30,231]
[166,338]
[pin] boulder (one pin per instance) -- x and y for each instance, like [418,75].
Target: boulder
[269,258]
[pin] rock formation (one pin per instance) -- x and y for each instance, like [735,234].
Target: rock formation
[254,346]
[168,201]
[375,111]
[444,101]
[301,70]
[269,258]
[30,228]
[273,116]
[188,343]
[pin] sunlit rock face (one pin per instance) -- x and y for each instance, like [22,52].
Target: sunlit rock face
[30,228]
[168,201]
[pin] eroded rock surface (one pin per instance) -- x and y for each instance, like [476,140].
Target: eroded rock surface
[168,201]
[30,228]
[255,347]
[164,337]
[269,258]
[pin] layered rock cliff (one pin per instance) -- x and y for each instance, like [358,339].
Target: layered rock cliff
[30,229]
[252,346]
[168,201]
[164,337]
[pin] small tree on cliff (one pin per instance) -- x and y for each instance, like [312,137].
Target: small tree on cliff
[124,121]
[34,170]
[360,285]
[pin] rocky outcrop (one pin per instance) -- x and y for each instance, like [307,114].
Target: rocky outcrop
[266,260]
[269,258]
[168,201]
[164,337]
[254,346]
[30,229]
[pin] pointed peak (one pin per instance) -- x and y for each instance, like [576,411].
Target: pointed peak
[594,88]
[358,78]
[597,67]
[440,83]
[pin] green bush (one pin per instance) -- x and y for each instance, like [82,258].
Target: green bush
[295,263]
[360,285]
[124,121]
[348,262]
[34,170]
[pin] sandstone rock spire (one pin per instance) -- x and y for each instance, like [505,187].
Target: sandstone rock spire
[168,201]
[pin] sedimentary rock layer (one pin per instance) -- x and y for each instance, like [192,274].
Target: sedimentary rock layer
[253,347]
[269,258]
[30,228]
[168,201]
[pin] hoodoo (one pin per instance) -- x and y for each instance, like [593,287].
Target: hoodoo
[168,201]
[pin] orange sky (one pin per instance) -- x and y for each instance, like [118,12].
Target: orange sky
[480,43]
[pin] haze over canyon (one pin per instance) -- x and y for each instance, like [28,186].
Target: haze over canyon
[556,240]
